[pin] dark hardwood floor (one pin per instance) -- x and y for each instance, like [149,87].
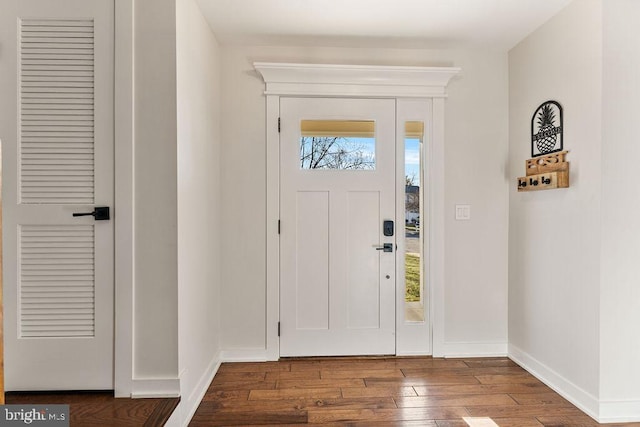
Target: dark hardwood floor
[419,391]
[88,409]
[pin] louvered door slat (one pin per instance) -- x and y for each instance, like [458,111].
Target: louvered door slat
[57,111]
[57,280]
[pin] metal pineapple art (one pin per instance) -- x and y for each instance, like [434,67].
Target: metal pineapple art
[546,137]
[547,169]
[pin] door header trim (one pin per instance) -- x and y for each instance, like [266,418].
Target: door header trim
[355,80]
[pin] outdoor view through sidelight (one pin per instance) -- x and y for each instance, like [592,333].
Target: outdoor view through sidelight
[338,144]
[413,197]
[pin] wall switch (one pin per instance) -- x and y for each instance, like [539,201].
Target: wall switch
[463,212]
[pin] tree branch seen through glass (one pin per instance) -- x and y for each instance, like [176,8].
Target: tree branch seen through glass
[321,152]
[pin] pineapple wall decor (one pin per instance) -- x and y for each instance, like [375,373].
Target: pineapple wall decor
[548,167]
[546,129]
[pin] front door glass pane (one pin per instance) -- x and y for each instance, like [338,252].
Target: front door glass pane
[414,280]
[337,144]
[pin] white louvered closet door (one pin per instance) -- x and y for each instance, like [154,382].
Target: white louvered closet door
[56,127]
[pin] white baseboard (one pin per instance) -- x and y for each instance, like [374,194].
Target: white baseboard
[174,419]
[574,394]
[461,349]
[248,355]
[619,411]
[187,407]
[474,349]
[155,387]
[412,353]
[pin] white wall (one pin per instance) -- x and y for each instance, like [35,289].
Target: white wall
[199,236]
[476,154]
[155,196]
[620,274]
[554,238]
[476,150]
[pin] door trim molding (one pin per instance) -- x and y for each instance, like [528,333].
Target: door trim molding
[123,227]
[354,81]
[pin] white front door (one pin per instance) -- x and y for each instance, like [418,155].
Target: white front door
[337,172]
[56,129]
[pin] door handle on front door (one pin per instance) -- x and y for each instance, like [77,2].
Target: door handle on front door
[99,213]
[387,247]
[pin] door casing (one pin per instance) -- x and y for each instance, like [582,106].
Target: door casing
[344,81]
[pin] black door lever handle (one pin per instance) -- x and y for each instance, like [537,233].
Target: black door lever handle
[386,247]
[99,213]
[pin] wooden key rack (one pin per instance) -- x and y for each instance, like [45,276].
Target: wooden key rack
[545,173]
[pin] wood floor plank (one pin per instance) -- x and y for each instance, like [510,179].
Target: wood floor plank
[296,393]
[322,383]
[211,407]
[362,373]
[254,367]
[481,422]
[293,375]
[561,421]
[296,425]
[451,423]
[420,423]
[223,395]
[429,362]
[378,392]
[546,398]
[241,376]
[517,422]
[466,401]
[479,363]
[218,384]
[346,365]
[484,370]
[128,413]
[377,364]
[524,378]
[379,415]
[523,411]
[251,417]
[465,389]
[366,424]
[423,381]
[579,421]
[161,413]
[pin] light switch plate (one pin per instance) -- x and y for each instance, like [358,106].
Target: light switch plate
[463,212]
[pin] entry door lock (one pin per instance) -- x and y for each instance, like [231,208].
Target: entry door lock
[387,228]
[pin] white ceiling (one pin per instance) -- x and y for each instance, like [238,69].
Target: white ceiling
[498,24]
